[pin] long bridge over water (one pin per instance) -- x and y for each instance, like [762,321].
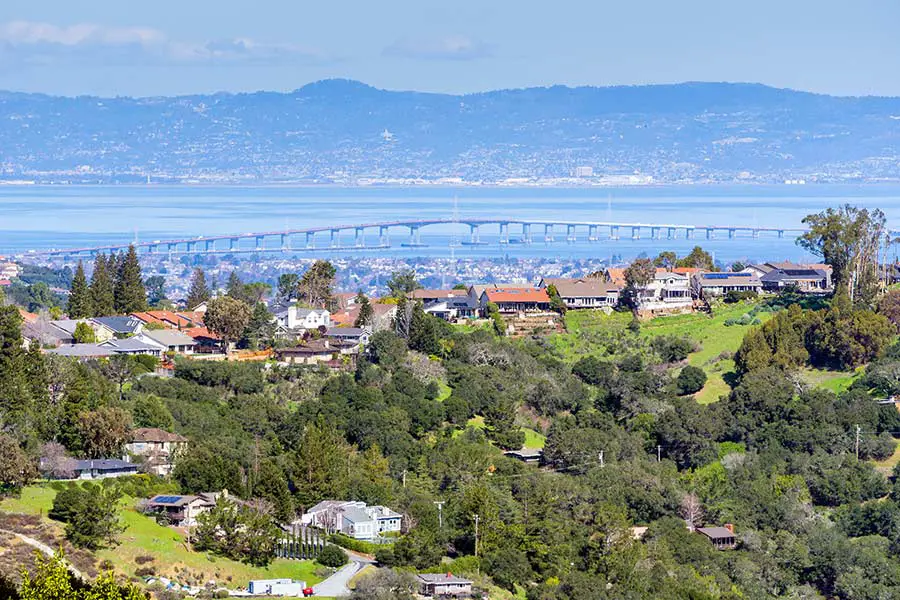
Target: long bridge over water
[511,231]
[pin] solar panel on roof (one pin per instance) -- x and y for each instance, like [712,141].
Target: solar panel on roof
[167,499]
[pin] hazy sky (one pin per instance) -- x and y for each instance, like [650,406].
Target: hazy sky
[136,47]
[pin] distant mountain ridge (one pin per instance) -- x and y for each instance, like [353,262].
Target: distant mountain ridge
[345,131]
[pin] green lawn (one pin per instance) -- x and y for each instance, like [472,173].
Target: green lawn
[835,381]
[533,439]
[444,391]
[172,557]
[714,338]
[887,465]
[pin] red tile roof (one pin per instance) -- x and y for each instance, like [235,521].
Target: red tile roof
[518,295]
[170,319]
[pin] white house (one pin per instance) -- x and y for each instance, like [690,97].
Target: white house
[668,292]
[354,519]
[296,319]
[169,340]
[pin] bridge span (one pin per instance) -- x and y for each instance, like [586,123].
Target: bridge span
[511,231]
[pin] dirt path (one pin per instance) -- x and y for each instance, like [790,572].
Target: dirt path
[45,549]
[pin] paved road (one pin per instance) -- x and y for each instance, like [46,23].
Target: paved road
[43,548]
[336,585]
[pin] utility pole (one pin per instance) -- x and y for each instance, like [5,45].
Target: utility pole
[404,478]
[659,453]
[857,442]
[440,505]
[600,456]
[476,535]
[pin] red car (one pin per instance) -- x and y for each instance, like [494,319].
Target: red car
[308,592]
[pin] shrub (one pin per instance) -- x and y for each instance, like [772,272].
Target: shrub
[690,380]
[144,558]
[385,556]
[145,571]
[350,543]
[221,594]
[734,296]
[332,556]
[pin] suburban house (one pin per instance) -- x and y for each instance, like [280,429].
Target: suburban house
[298,320]
[82,351]
[132,346]
[170,340]
[447,304]
[354,519]
[45,333]
[121,326]
[710,285]
[721,537]
[103,468]
[585,292]
[444,585]
[277,587]
[382,316]
[805,279]
[101,331]
[181,511]
[516,299]
[353,335]
[668,292]
[527,455]
[157,448]
[313,352]
[170,319]
[9,270]
[452,308]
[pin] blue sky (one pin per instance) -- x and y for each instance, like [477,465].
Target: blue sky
[135,47]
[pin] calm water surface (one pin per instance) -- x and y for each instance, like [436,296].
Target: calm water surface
[37,217]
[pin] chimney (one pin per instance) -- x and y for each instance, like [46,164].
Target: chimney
[729,527]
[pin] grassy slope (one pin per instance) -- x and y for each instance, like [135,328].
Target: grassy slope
[144,537]
[714,338]
[533,439]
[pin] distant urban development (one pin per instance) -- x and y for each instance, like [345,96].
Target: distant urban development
[346,133]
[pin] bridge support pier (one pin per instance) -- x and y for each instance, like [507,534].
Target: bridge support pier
[310,239]
[383,236]
[209,245]
[654,233]
[592,233]
[232,243]
[755,233]
[191,246]
[260,242]
[671,233]
[570,234]
[635,233]
[474,237]
[548,232]
[152,249]
[359,239]
[710,234]
[285,242]
[689,233]
[526,233]
[781,233]
[335,238]
[415,238]
[504,233]
[613,232]
[731,234]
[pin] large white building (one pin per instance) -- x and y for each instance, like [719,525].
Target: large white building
[353,518]
[298,320]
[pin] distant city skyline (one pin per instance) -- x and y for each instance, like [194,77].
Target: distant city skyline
[166,48]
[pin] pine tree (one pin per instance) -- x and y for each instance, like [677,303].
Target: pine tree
[235,287]
[199,291]
[130,294]
[102,296]
[80,305]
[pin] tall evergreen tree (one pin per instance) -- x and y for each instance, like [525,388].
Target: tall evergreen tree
[130,294]
[235,287]
[199,290]
[15,395]
[80,305]
[102,294]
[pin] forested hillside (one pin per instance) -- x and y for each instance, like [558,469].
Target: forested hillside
[427,414]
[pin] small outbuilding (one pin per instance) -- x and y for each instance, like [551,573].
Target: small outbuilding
[440,585]
[721,537]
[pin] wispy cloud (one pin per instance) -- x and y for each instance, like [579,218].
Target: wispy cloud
[451,47]
[28,42]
